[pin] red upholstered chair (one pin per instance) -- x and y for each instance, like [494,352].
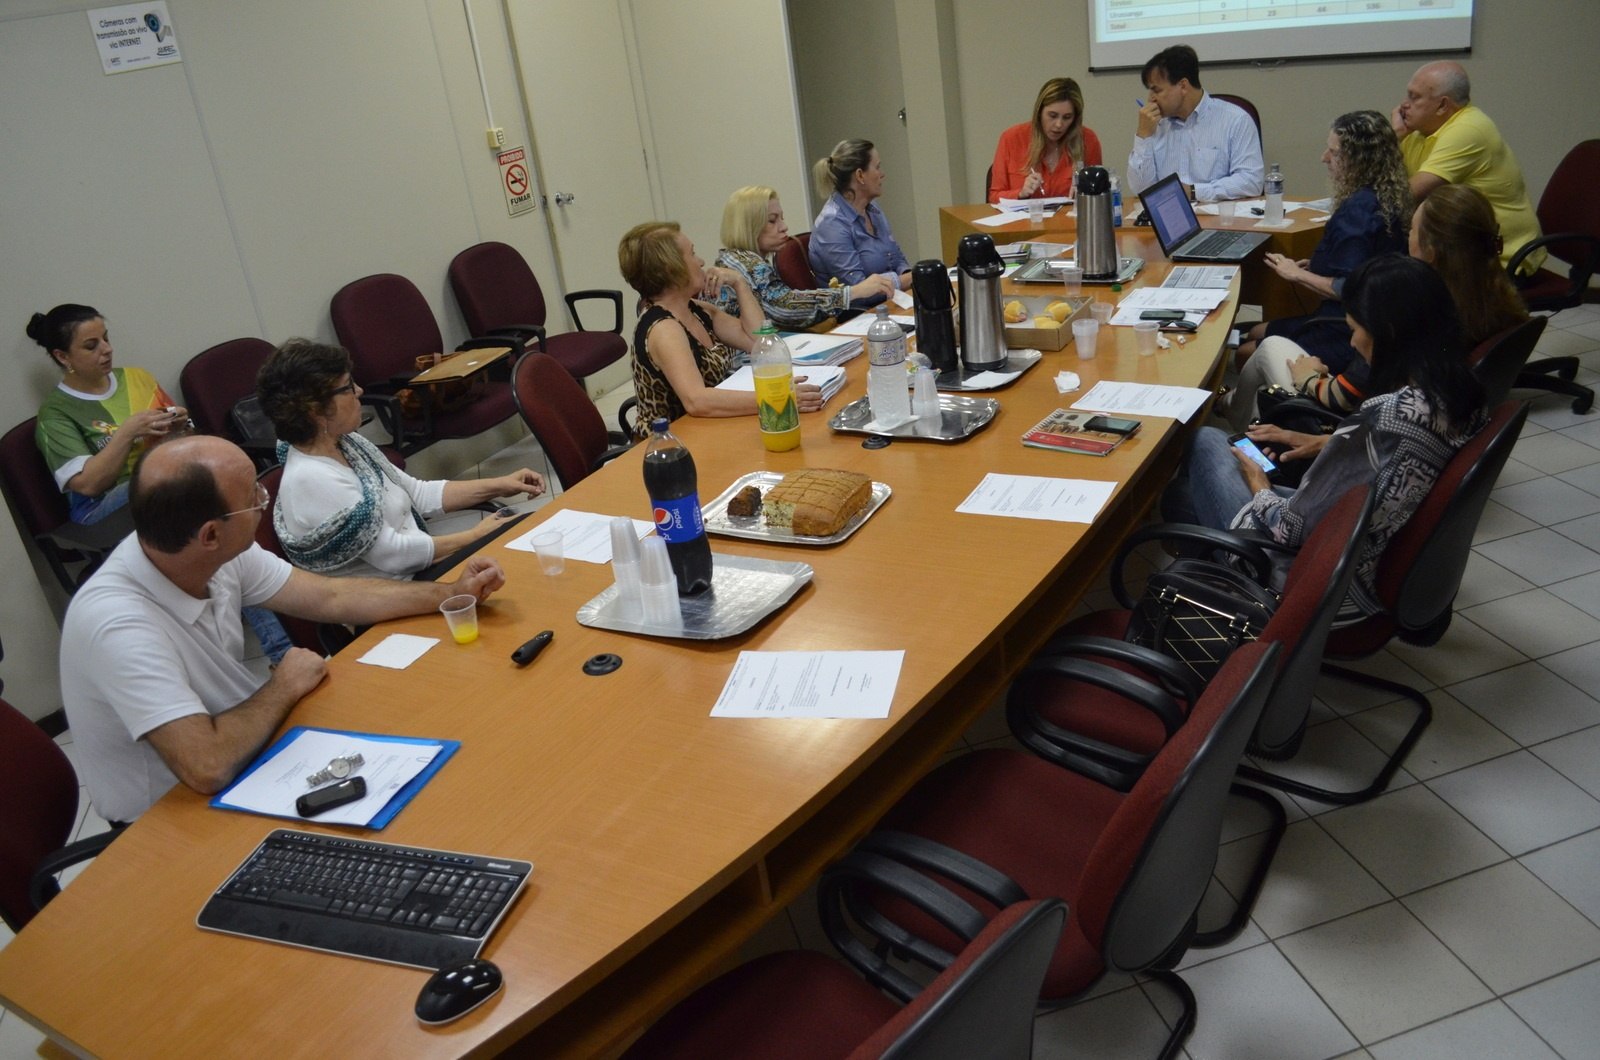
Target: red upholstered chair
[565,422]
[40,793]
[386,324]
[1417,581]
[1569,215]
[793,262]
[1249,108]
[802,1005]
[1498,360]
[997,826]
[500,295]
[215,380]
[40,509]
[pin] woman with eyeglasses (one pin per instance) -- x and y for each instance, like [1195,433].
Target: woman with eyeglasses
[343,507]
[100,418]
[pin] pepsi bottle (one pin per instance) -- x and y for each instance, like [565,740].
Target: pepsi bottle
[670,479]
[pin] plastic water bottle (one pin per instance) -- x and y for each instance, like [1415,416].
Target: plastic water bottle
[1116,202]
[674,489]
[887,391]
[1274,211]
[777,406]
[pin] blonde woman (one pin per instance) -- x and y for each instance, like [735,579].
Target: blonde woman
[1035,158]
[753,230]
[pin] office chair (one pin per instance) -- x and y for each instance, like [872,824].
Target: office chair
[40,791]
[500,295]
[793,263]
[996,826]
[1569,215]
[800,1004]
[563,420]
[1065,706]
[386,324]
[1250,109]
[214,382]
[40,510]
[1498,360]
[324,638]
[1417,580]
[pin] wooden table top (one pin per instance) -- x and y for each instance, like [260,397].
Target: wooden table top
[640,812]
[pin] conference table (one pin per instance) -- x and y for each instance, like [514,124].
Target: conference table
[662,838]
[1261,286]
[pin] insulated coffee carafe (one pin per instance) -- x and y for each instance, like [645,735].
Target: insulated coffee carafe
[1097,237]
[936,321]
[983,329]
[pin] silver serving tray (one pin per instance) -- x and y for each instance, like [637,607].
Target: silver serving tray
[718,521]
[744,590]
[959,417]
[1018,362]
[1038,271]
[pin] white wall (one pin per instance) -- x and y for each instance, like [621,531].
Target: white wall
[299,145]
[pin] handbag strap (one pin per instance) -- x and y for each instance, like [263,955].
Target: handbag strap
[1250,555]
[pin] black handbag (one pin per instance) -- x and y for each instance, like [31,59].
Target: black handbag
[1199,608]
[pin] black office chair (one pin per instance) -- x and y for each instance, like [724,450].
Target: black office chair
[1569,214]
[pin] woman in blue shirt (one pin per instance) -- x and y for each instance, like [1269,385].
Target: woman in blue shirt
[1372,205]
[850,239]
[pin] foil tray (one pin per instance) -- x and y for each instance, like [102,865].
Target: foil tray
[744,590]
[718,521]
[959,418]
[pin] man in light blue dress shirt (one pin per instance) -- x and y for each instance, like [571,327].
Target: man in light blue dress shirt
[1212,145]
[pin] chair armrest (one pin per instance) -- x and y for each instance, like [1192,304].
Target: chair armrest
[1176,679]
[628,428]
[841,889]
[1585,268]
[614,297]
[521,332]
[609,455]
[1255,561]
[92,537]
[387,406]
[42,884]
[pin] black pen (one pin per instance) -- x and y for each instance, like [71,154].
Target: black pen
[530,651]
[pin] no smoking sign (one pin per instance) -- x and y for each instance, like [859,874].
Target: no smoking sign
[515,180]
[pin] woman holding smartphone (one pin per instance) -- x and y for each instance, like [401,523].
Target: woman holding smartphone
[1403,324]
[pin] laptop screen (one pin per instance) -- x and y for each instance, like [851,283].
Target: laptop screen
[1170,213]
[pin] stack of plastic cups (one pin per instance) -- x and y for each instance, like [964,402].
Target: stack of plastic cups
[658,588]
[625,566]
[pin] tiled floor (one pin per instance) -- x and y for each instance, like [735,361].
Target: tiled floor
[1454,916]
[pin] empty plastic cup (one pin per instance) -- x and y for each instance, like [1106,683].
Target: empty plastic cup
[1145,332]
[461,615]
[551,550]
[1101,311]
[1085,333]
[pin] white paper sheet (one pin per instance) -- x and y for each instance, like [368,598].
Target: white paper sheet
[807,684]
[1049,202]
[1060,500]
[1242,207]
[903,299]
[1195,302]
[859,325]
[398,650]
[1002,218]
[828,377]
[1143,399]
[585,536]
[387,767]
[1189,277]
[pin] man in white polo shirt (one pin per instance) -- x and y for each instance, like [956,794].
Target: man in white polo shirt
[152,672]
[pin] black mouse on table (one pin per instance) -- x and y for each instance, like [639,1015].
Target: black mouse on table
[457,989]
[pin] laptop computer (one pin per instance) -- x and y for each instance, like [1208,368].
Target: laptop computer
[1179,232]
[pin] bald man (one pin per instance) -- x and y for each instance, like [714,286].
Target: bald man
[1447,140]
[152,671]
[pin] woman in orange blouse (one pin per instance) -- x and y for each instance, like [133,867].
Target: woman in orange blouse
[1036,158]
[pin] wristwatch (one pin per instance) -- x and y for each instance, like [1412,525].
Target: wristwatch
[337,769]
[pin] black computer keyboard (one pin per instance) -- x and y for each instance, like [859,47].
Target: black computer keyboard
[404,905]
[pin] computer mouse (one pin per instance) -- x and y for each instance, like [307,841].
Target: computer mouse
[457,989]
[1143,218]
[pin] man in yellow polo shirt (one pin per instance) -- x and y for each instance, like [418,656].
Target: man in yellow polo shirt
[1447,140]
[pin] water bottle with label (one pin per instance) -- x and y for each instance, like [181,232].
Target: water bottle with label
[887,383]
[777,406]
[1274,211]
[1116,202]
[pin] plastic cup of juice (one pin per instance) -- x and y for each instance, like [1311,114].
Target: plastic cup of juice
[461,615]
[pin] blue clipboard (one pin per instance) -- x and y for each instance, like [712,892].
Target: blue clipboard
[379,820]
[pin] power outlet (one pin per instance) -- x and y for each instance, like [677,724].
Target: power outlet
[497,137]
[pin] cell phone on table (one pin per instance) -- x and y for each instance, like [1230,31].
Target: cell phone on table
[1112,425]
[1163,315]
[1253,451]
[334,795]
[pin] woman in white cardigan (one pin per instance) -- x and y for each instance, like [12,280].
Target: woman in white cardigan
[343,508]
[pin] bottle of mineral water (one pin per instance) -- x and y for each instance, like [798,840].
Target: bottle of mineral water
[1274,211]
[886,373]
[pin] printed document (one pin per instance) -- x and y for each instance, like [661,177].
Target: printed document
[1060,500]
[584,535]
[810,684]
[1144,399]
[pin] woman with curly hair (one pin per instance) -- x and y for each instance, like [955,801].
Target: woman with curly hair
[1036,158]
[1372,205]
[1455,231]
